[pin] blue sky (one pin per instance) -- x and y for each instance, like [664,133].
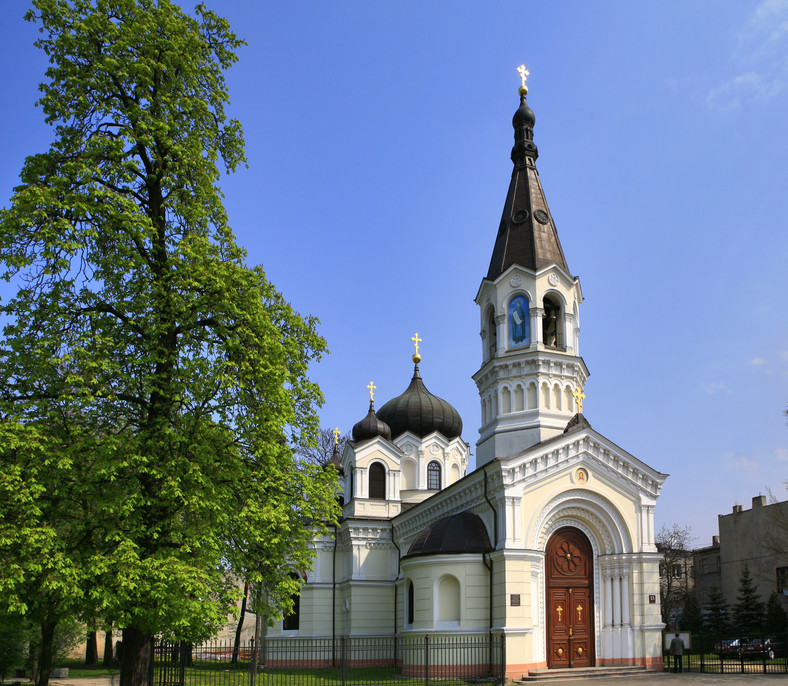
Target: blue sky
[378,137]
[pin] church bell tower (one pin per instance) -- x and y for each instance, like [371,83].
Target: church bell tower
[531,379]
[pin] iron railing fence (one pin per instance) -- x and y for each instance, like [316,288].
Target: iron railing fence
[292,661]
[734,654]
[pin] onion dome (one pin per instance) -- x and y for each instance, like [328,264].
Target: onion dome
[460,533]
[336,461]
[371,426]
[420,412]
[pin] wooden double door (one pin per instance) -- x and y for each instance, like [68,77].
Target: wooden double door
[570,617]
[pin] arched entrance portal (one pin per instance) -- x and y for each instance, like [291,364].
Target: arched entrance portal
[569,577]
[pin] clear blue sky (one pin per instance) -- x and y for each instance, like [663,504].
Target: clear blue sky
[378,137]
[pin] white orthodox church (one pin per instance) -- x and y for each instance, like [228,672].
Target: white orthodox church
[550,541]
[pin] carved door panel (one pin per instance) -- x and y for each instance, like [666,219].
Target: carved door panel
[570,627]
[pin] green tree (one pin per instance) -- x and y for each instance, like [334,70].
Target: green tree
[674,542]
[717,617]
[691,618]
[748,612]
[776,616]
[141,346]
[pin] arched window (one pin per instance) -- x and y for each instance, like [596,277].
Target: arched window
[552,323]
[492,334]
[411,604]
[292,621]
[377,481]
[433,476]
[448,601]
[506,399]
[517,315]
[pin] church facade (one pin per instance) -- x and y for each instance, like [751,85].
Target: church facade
[550,540]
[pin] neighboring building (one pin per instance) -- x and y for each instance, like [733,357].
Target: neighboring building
[707,574]
[757,538]
[550,541]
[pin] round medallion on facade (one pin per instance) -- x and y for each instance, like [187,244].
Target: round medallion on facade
[553,279]
[407,448]
[515,281]
[541,216]
[580,476]
[434,449]
[520,216]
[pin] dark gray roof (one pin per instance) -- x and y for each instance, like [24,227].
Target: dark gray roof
[460,533]
[526,235]
[420,412]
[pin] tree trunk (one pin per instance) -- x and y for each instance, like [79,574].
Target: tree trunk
[45,653]
[91,649]
[108,657]
[240,626]
[135,663]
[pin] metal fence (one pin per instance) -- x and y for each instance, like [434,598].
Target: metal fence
[733,655]
[417,660]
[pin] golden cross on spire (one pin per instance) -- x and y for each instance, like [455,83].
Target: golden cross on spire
[524,73]
[416,340]
[579,396]
[371,386]
[336,433]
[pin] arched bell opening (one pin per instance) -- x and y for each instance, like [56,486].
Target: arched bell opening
[552,322]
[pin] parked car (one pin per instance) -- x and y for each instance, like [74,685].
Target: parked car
[760,647]
[731,647]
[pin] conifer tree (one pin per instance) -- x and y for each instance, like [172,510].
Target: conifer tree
[717,617]
[776,616]
[748,612]
[691,618]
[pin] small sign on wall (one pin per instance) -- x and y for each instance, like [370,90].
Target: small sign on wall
[652,599]
[515,600]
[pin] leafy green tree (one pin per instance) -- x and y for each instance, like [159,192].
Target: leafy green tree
[15,636]
[142,350]
[748,612]
[691,618]
[717,619]
[776,616]
[44,560]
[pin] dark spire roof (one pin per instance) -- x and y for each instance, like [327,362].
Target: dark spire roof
[371,426]
[460,533]
[420,412]
[527,235]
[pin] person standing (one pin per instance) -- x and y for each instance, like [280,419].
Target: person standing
[677,651]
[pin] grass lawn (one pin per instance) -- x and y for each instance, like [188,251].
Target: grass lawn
[77,669]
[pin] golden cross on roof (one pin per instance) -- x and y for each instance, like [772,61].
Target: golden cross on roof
[336,433]
[579,396]
[371,386]
[524,73]
[417,340]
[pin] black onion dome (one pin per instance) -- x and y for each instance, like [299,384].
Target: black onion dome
[371,426]
[460,533]
[336,461]
[420,412]
[524,116]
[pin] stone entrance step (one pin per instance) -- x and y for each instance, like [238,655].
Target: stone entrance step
[583,673]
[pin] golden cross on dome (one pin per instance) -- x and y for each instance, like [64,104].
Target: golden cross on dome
[417,340]
[524,73]
[336,433]
[579,396]
[371,386]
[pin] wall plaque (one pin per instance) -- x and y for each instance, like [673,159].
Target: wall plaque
[515,600]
